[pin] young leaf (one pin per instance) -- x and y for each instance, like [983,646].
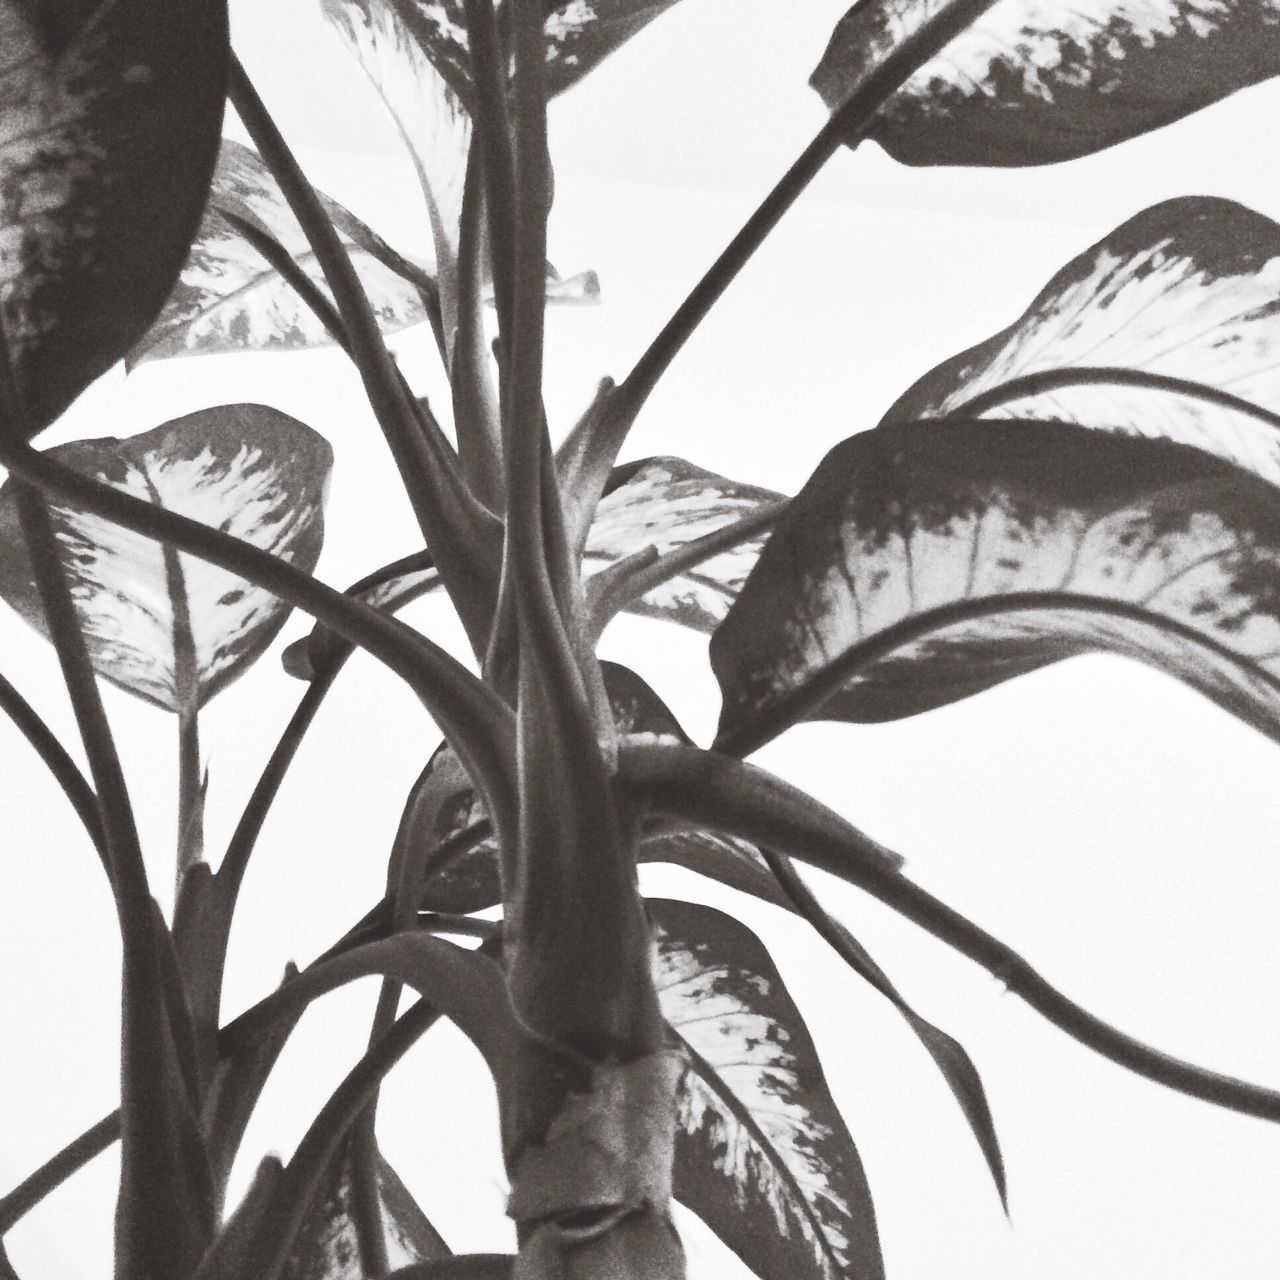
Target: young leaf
[109,120]
[1188,289]
[1032,84]
[666,503]
[165,626]
[925,562]
[229,299]
[326,1247]
[762,1154]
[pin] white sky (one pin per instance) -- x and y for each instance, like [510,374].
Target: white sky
[1115,827]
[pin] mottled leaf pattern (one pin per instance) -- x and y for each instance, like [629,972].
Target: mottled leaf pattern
[395,41]
[1188,289]
[762,1154]
[228,298]
[1033,82]
[666,503]
[109,120]
[926,562]
[326,1248]
[248,470]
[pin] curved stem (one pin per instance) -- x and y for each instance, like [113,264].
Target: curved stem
[848,124]
[452,521]
[58,762]
[476,721]
[737,799]
[1033,384]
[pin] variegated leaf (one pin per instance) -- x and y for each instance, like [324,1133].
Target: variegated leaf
[1188,289]
[666,503]
[164,625]
[228,298]
[395,42]
[326,1246]
[925,562]
[109,120]
[763,1155]
[1032,83]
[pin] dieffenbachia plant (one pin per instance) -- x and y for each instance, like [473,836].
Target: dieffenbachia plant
[1102,474]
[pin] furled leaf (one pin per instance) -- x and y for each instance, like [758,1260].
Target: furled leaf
[1188,289]
[1033,83]
[666,503]
[229,299]
[161,624]
[763,1156]
[109,122]
[926,562]
[326,1247]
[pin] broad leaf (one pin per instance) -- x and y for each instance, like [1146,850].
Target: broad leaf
[229,299]
[666,503]
[926,562]
[326,1247]
[579,37]
[763,1156]
[1034,83]
[109,121]
[1188,289]
[159,623]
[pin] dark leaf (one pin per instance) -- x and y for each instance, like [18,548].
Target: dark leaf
[109,121]
[1189,289]
[1032,83]
[228,298]
[666,503]
[926,562]
[762,1153]
[326,1246]
[164,625]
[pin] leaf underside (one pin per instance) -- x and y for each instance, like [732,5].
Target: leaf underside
[763,1155]
[1038,83]
[109,119]
[925,562]
[1188,289]
[148,611]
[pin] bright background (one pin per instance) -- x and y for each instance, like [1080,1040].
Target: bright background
[1116,828]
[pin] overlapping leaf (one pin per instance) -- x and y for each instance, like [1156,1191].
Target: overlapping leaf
[164,625]
[1032,83]
[1188,289]
[666,503]
[763,1156]
[926,562]
[228,298]
[109,120]
[663,503]
[326,1246]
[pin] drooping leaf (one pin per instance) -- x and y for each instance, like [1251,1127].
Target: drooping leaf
[163,625]
[763,1155]
[109,121]
[666,503]
[925,562]
[1033,83]
[1188,289]
[229,299]
[326,1247]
